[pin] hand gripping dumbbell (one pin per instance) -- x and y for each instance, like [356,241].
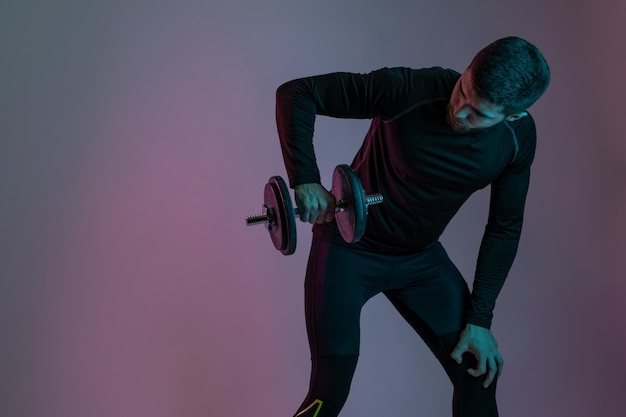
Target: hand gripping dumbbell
[279,214]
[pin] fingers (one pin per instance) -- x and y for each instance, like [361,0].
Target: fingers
[315,204]
[479,341]
[491,373]
[319,213]
[491,366]
[500,364]
[457,354]
[481,367]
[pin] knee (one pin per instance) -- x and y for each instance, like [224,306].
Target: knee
[470,397]
[332,376]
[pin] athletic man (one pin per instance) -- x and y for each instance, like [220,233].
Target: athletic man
[436,137]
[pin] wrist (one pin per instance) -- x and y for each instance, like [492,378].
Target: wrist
[307,186]
[479,320]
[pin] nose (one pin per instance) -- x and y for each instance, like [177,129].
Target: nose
[462,112]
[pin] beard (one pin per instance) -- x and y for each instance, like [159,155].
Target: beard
[453,122]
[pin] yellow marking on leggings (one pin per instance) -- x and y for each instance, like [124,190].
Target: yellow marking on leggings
[319,407]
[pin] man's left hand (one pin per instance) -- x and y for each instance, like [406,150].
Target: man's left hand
[480,342]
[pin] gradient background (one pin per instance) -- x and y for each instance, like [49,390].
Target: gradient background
[135,136]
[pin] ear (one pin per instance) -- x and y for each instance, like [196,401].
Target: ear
[516,116]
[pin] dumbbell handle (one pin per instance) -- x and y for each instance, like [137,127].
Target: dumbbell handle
[266,218]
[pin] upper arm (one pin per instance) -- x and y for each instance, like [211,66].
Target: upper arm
[380,93]
[509,191]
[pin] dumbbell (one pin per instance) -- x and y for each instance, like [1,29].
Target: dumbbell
[279,214]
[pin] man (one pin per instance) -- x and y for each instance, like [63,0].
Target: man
[436,137]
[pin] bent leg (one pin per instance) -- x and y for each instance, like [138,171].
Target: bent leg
[433,297]
[470,398]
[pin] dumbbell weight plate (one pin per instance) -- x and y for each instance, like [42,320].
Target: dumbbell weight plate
[282,227]
[352,217]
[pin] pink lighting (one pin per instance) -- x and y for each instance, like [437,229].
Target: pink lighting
[135,138]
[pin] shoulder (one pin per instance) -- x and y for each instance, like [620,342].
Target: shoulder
[525,135]
[525,131]
[526,125]
[436,78]
[403,88]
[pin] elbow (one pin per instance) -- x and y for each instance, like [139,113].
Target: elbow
[508,228]
[286,91]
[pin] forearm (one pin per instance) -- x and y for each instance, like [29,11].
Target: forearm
[295,119]
[494,262]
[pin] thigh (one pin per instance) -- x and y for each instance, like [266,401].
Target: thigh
[430,293]
[339,280]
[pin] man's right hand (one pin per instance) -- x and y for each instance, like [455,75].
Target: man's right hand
[315,204]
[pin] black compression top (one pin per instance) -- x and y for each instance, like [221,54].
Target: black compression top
[424,170]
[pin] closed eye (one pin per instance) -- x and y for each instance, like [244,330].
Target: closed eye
[474,109]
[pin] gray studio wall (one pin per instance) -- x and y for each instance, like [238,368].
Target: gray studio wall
[135,136]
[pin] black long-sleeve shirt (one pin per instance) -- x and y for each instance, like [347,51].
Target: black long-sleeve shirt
[424,170]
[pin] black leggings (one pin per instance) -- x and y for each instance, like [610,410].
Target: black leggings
[426,289]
